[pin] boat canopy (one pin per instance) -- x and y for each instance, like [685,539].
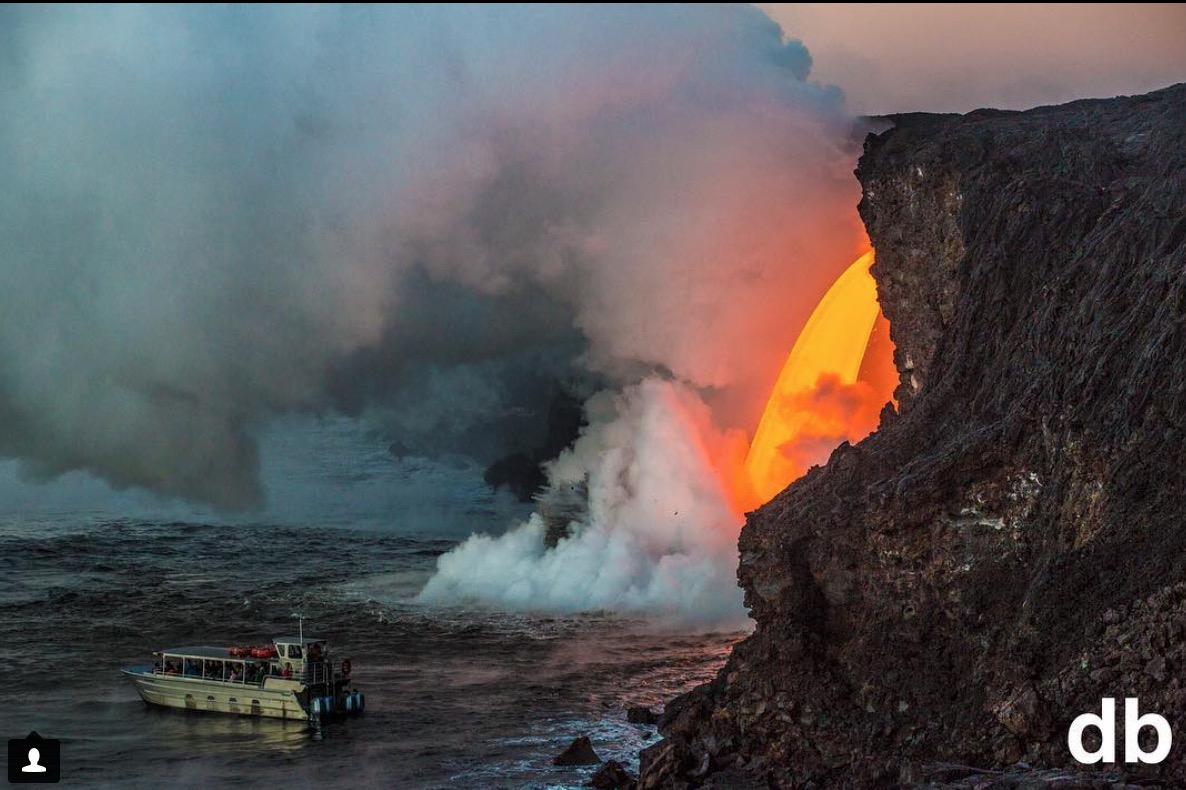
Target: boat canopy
[296,640]
[208,651]
[202,651]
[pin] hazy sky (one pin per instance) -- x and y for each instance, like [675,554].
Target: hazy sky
[958,57]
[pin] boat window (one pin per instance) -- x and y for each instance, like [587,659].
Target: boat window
[294,651]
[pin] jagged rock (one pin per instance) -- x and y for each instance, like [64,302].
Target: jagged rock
[638,714]
[1021,777]
[735,779]
[579,752]
[1011,541]
[612,776]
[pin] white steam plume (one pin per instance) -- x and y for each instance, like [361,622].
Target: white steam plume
[659,536]
[212,216]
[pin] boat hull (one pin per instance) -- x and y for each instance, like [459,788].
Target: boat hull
[275,699]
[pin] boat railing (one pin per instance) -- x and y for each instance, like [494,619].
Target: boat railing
[319,671]
[315,672]
[256,681]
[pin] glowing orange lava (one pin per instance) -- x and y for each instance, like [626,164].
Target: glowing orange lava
[828,390]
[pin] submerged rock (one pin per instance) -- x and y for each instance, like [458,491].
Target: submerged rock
[1011,538]
[579,752]
[612,776]
[638,714]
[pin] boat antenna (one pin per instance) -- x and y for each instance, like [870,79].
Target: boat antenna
[301,627]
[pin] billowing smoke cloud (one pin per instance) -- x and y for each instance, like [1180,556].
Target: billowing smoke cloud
[422,215]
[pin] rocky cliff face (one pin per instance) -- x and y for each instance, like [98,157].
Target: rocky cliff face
[1010,547]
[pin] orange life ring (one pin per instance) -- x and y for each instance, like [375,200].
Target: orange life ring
[239,652]
[346,666]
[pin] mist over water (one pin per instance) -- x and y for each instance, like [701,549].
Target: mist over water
[328,471]
[422,218]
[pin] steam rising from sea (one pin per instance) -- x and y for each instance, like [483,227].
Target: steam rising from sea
[422,217]
[659,536]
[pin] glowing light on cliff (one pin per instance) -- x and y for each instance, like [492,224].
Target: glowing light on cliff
[828,390]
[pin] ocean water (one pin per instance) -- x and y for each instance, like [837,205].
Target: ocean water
[92,580]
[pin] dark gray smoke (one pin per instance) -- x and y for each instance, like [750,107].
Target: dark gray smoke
[213,216]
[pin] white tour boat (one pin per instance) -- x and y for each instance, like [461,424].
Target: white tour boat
[295,677]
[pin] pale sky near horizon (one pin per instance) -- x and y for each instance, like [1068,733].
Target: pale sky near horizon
[957,57]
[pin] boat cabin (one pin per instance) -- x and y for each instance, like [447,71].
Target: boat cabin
[305,660]
[297,650]
[211,663]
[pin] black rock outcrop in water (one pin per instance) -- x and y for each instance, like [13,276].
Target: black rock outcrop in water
[579,752]
[1010,547]
[612,776]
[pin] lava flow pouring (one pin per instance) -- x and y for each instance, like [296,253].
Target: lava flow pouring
[667,487]
[832,387]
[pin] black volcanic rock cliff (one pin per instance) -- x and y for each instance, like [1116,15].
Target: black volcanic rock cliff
[1011,546]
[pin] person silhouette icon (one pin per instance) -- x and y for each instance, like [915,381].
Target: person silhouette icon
[33,767]
[34,760]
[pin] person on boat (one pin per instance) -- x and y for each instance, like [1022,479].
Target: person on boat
[233,677]
[287,674]
[314,668]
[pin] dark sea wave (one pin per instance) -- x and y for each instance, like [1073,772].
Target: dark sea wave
[459,698]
